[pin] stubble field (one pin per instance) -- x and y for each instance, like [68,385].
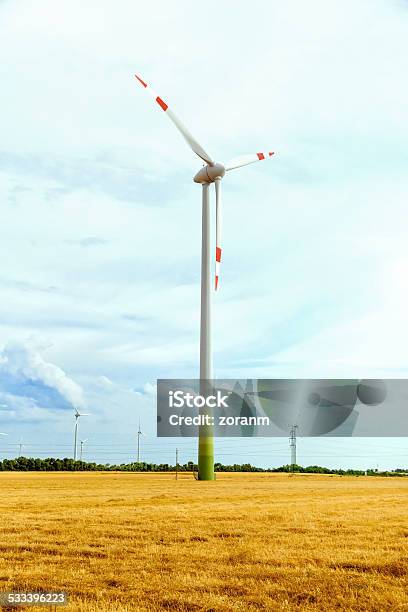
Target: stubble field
[124,542]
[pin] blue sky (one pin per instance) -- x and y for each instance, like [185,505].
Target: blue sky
[100,231]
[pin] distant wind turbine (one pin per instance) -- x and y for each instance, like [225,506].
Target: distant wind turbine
[77,415]
[3,434]
[139,434]
[82,442]
[211,172]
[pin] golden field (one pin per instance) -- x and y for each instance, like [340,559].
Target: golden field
[124,542]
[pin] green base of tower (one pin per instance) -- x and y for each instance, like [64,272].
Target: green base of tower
[206,469]
[206,458]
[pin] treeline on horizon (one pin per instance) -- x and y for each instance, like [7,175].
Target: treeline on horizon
[52,464]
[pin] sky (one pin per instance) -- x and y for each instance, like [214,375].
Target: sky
[100,218]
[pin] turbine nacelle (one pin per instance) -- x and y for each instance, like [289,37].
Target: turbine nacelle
[208,173]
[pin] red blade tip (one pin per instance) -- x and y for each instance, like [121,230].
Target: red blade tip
[141,81]
[161,103]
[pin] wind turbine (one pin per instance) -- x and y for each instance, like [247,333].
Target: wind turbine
[82,442]
[211,172]
[77,415]
[3,434]
[20,445]
[139,433]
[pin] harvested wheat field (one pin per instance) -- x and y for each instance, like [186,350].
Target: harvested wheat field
[122,542]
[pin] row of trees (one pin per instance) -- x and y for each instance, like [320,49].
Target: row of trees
[51,464]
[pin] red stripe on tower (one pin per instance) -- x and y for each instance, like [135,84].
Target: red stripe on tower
[218,254]
[141,81]
[261,156]
[161,103]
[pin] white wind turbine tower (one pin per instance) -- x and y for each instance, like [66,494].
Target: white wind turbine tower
[212,172]
[3,434]
[139,434]
[77,415]
[82,442]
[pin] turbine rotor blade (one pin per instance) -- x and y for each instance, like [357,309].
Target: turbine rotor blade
[218,229]
[189,138]
[244,160]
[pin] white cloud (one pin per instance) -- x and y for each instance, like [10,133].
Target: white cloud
[25,372]
[149,388]
[105,383]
